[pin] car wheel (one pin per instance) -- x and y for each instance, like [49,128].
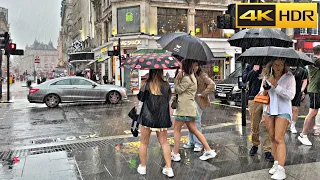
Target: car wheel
[114,97]
[52,100]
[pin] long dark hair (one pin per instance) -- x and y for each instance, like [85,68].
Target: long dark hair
[199,70]
[155,79]
[187,66]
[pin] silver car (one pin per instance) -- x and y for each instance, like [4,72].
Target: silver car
[75,89]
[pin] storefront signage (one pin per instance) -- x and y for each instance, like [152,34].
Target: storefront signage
[129,43]
[129,17]
[104,50]
[215,69]
[311,45]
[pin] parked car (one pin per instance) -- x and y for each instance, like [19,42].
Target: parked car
[75,89]
[228,91]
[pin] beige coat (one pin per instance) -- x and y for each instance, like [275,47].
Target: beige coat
[186,89]
[205,87]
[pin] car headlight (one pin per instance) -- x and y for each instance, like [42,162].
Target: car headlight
[236,89]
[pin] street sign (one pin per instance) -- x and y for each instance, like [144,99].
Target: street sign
[37,60]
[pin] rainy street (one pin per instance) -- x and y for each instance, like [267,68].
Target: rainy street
[27,123]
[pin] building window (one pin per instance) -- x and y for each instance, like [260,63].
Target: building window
[303,31]
[206,25]
[172,20]
[314,31]
[128,20]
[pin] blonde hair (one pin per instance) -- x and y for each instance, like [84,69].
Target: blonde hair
[267,69]
[155,81]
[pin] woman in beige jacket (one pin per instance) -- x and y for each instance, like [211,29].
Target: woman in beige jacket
[205,87]
[186,112]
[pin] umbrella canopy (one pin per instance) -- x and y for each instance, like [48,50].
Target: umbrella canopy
[186,46]
[152,61]
[260,37]
[263,55]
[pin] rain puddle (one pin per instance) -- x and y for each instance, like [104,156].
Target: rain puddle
[45,122]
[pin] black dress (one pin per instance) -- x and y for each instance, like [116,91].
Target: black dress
[155,112]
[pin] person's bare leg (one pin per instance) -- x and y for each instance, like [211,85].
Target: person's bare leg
[193,129]
[281,125]
[144,142]
[295,112]
[163,140]
[309,121]
[177,134]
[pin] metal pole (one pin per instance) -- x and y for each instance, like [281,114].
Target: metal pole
[8,76]
[243,97]
[119,46]
[0,74]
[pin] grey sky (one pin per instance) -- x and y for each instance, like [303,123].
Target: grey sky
[30,19]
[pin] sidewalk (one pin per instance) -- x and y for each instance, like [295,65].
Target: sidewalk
[109,158]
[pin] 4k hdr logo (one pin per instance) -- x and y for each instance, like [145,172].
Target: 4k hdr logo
[276,15]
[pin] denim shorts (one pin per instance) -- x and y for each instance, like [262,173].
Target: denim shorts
[285,116]
[184,118]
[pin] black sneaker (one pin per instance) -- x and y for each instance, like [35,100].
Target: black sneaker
[269,156]
[253,150]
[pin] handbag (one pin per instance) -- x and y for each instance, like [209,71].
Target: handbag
[174,103]
[260,98]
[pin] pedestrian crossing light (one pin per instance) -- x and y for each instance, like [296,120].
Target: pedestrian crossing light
[116,50]
[12,47]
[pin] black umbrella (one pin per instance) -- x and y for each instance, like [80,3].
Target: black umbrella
[260,37]
[263,55]
[186,46]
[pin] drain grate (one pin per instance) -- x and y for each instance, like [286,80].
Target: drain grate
[9,155]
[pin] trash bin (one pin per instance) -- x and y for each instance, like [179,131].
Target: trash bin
[28,83]
[38,81]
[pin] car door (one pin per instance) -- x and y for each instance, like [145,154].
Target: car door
[63,89]
[85,89]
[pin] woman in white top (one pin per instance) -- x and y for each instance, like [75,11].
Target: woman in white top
[280,85]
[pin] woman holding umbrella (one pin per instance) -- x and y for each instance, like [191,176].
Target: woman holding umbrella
[186,112]
[279,84]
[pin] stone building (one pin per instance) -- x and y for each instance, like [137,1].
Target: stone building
[4,27]
[47,54]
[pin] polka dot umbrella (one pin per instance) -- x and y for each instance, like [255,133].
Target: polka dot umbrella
[152,61]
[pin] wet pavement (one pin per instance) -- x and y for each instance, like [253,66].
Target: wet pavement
[91,141]
[119,158]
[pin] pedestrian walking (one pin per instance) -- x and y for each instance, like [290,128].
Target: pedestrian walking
[205,86]
[279,84]
[155,94]
[251,76]
[105,79]
[314,96]
[94,77]
[301,77]
[186,111]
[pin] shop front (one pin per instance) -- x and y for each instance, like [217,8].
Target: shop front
[306,43]
[102,61]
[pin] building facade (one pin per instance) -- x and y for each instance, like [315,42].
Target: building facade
[4,27]
[47,54]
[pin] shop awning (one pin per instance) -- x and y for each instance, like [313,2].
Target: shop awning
[144,51]
[220,55]
[91,62]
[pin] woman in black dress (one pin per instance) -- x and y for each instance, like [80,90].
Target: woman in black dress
[155,94]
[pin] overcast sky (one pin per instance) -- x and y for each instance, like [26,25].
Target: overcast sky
[30,19]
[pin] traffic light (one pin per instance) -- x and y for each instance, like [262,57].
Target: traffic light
[4,40]
[220,20]
[227,21]
[232,11]
[116,50]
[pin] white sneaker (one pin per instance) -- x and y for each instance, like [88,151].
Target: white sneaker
[208,155]
[304,140]
[280,173]
[168,172]
[274,168]
[188,146]
[293,130]
[197,149]
[175,157]
[142,170]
